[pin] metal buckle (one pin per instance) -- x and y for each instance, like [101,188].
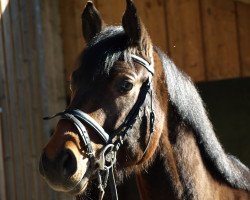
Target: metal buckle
[107,157]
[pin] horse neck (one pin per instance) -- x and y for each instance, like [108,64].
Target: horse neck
[155,182]
[173,173]
[162,179]
[179,172]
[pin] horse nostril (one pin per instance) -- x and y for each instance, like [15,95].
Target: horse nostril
[69,164]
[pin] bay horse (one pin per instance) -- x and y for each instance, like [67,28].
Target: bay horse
[133,111]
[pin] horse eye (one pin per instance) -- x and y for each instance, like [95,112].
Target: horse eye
[125,86]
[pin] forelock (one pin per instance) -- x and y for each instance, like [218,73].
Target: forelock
[103,51]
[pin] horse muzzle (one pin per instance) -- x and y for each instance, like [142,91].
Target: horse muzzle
[62,173]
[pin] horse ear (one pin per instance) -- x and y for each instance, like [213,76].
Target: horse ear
[92,22]
[133,25]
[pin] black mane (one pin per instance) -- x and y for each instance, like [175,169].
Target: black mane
[187,101]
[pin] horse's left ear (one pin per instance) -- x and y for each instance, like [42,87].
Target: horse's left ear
[133,26]
[92,22]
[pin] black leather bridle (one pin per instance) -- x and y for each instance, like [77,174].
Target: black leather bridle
[107,157]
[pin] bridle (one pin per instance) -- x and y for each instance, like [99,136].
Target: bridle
[107,158]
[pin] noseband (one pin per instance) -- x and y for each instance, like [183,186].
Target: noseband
[112,143]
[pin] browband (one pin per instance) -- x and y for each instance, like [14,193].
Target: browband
[144,63]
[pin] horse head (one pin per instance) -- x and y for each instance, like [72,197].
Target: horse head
[112,108]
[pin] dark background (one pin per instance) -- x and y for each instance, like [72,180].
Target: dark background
[228,105]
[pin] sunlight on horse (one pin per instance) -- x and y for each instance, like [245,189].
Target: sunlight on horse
[133,111]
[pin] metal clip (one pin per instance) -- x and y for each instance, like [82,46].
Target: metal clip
[107,157]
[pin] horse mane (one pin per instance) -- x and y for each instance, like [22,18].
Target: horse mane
[186,100]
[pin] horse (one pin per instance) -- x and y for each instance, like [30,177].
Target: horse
[132,111]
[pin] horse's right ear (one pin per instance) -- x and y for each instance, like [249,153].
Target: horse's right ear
[92,22]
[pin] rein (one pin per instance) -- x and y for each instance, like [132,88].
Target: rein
[107,158]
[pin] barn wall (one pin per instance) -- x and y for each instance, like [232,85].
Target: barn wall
[208,39]
[2,171]
[31,86]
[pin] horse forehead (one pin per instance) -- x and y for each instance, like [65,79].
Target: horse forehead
[91,79]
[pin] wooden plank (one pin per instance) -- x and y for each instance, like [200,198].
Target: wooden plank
[220,37]
[11,157]
[39,81]
[28,100]
[73,43]
[111,11]
[22,94]
[153,16]
[67,16]
[3,103]
[54,71]
[2,171]
[53,57]
[243,25]
[244,1]
[185,36]
[21,133]
[78,8]
[33,67]
[48,83]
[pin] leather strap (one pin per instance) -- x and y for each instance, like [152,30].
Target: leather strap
[144,63]
[91,122]
[81,130]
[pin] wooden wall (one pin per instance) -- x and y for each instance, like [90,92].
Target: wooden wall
[31,86]
[208,39]
[2,171]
